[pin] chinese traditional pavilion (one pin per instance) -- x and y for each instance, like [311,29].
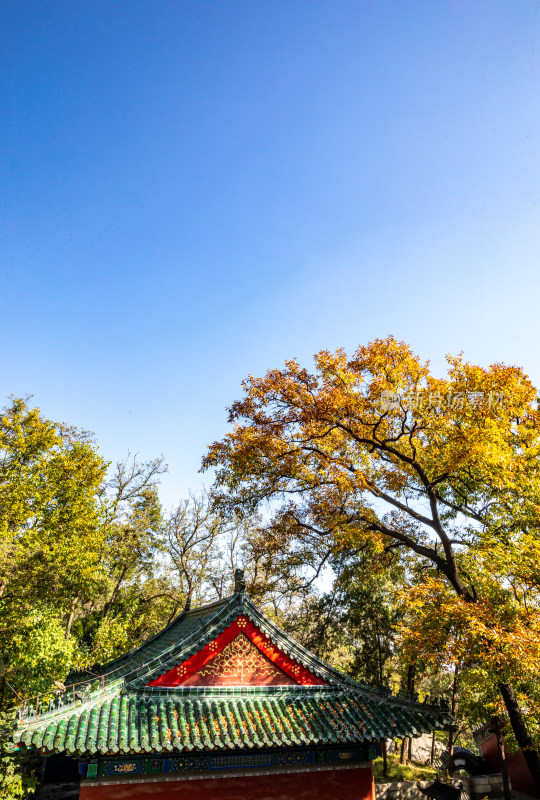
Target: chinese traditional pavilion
[222,702]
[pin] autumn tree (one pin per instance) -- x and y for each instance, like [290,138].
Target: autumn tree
[376,448]
[493,641]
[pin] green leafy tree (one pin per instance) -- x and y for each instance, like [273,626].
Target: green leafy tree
[50,539]
[353,626]
[368,594]
[18,769]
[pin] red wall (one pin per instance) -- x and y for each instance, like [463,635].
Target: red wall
[520,777]
[518,771]
[340,784]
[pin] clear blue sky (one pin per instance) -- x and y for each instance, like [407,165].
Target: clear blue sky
[193,191]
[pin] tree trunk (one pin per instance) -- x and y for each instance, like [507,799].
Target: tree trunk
[500,747]
[411,673]
[385,760]
[2,688]
[453,703]
[402,754]
[523,737]
[380,660]
[110,603]
[71,616]
[450,746]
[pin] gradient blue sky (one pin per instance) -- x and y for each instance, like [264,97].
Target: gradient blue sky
[193,191]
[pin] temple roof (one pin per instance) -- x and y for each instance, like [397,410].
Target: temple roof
[142,701]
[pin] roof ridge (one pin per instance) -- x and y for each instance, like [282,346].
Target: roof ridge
[342,679]
[185,647]
[301,650]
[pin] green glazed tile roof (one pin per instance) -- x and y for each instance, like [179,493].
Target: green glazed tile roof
[220,720]
[112,709]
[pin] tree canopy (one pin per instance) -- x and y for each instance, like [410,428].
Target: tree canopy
[375,448]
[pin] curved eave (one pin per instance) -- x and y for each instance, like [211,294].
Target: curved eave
[224,720]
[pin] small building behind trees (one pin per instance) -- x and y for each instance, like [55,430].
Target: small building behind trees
[220,703]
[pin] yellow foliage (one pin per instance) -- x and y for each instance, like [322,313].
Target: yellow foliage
[375,448]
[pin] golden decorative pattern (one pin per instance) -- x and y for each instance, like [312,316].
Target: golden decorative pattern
[120,768]
[240,660]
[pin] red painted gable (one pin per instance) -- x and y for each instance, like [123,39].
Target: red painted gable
[240,656]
